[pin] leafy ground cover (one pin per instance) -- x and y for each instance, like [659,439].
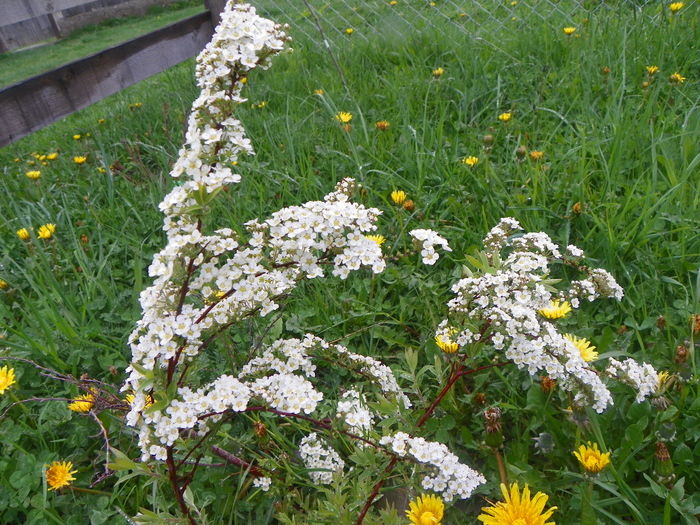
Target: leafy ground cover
[599,149]
[19,65]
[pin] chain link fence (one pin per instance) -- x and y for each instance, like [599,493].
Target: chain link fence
[491,22]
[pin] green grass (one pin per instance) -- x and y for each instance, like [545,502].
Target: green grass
[628,154]
[19,65]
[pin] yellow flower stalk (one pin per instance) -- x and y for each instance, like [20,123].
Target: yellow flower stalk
[398,196]
[518,509]
[591,458]
[7,377]
[426,510]
[505,117]
[343,117]
[60,474]
[46,231]
[676,78]
[584,347]
[379,239]
[556,309]
[82,403]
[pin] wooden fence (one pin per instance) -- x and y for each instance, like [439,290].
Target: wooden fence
[34,103]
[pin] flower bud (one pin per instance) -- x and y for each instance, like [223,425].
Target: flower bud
[494,435]
[663,464]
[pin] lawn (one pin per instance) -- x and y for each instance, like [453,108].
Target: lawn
[574,135]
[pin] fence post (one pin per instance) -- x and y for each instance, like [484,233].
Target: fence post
[215,7]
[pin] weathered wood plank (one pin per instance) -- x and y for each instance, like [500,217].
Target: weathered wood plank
[41,100]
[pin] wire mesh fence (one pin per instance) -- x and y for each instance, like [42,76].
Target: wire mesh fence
[338,23]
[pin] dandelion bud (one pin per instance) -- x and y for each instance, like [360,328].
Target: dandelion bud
[479,398]
[664,465]
[409,205]
[521,152]
[488,140]
[260,429]
[622,330]
[606,70]
[494,436]
[547,384]
[645,84]
[576,208]
[661,322]
[681,355]
[695,323]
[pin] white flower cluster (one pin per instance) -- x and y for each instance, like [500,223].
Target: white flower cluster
[206,282]
[321,460]
[506,305]
[379,372]
[642,378]
[451,478]
[427,240]
[352,409]
[263,483]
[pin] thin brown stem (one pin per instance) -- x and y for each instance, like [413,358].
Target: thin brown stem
[177,491]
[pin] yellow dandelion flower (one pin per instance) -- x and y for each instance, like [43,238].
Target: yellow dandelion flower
[3,284]
[46,231]
[438,72]
[379,239]
[664,376]
[349,31]
[23,234]
[60,474]
[77,136]
[101,170]
[80,159]
[393,2]
[676,78]
[82,403]
[536,155]
[398,196]
[652,70]
[7,377]
[470,161]
[34,174]
[426,510]
[129,398]
[592,459]
[446,344]
[676,6]
[52,156]
[569,31]
[343,117]
[101,120]
[319,92]
[382,125]
[584,347]
[518,509]
[505,117]
[556,309]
